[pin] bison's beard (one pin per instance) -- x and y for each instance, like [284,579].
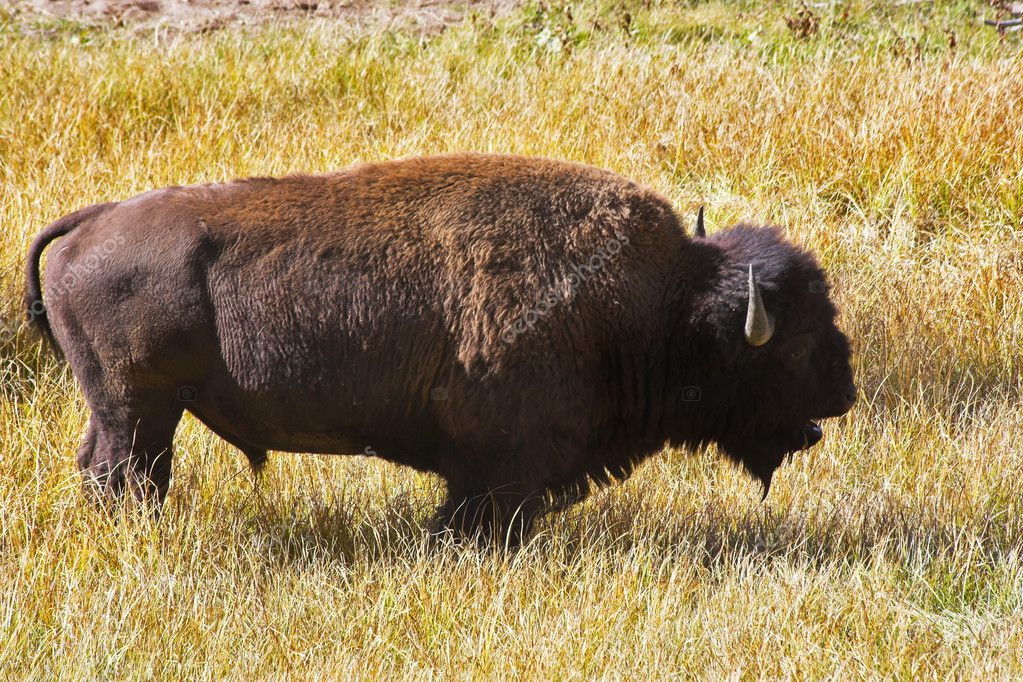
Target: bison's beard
[762,454]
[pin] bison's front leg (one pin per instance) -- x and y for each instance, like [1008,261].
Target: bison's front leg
[129,458]
[498,514]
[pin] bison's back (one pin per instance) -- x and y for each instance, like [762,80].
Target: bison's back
[476,238]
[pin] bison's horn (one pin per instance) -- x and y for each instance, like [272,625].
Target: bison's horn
[700,232]
[759,325]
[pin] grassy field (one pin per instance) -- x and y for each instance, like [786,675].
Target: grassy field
[887,138]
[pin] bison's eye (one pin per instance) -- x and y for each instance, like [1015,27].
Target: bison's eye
[798,347]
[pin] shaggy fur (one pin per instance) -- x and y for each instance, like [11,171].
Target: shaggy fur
[521,327]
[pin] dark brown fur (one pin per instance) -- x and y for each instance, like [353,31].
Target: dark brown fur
[467,315]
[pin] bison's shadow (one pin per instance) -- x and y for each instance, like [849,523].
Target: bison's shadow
[853,532]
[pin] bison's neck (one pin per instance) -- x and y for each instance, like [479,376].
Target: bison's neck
[697,408]
[669,384]
[699,399]
[646,390]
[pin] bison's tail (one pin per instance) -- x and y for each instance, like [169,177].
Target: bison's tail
[34,292]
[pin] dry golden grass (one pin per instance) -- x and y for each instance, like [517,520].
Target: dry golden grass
[891,550]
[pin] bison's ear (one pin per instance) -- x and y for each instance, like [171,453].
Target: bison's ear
[700,231]
[759,324]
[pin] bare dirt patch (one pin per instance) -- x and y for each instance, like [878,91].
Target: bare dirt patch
[428,16]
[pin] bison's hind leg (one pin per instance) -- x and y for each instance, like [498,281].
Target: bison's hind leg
[128,448]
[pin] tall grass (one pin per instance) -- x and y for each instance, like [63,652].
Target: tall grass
[892,549]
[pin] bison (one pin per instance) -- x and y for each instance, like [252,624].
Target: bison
[524,328]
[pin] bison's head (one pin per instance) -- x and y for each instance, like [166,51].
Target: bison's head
[772,361]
